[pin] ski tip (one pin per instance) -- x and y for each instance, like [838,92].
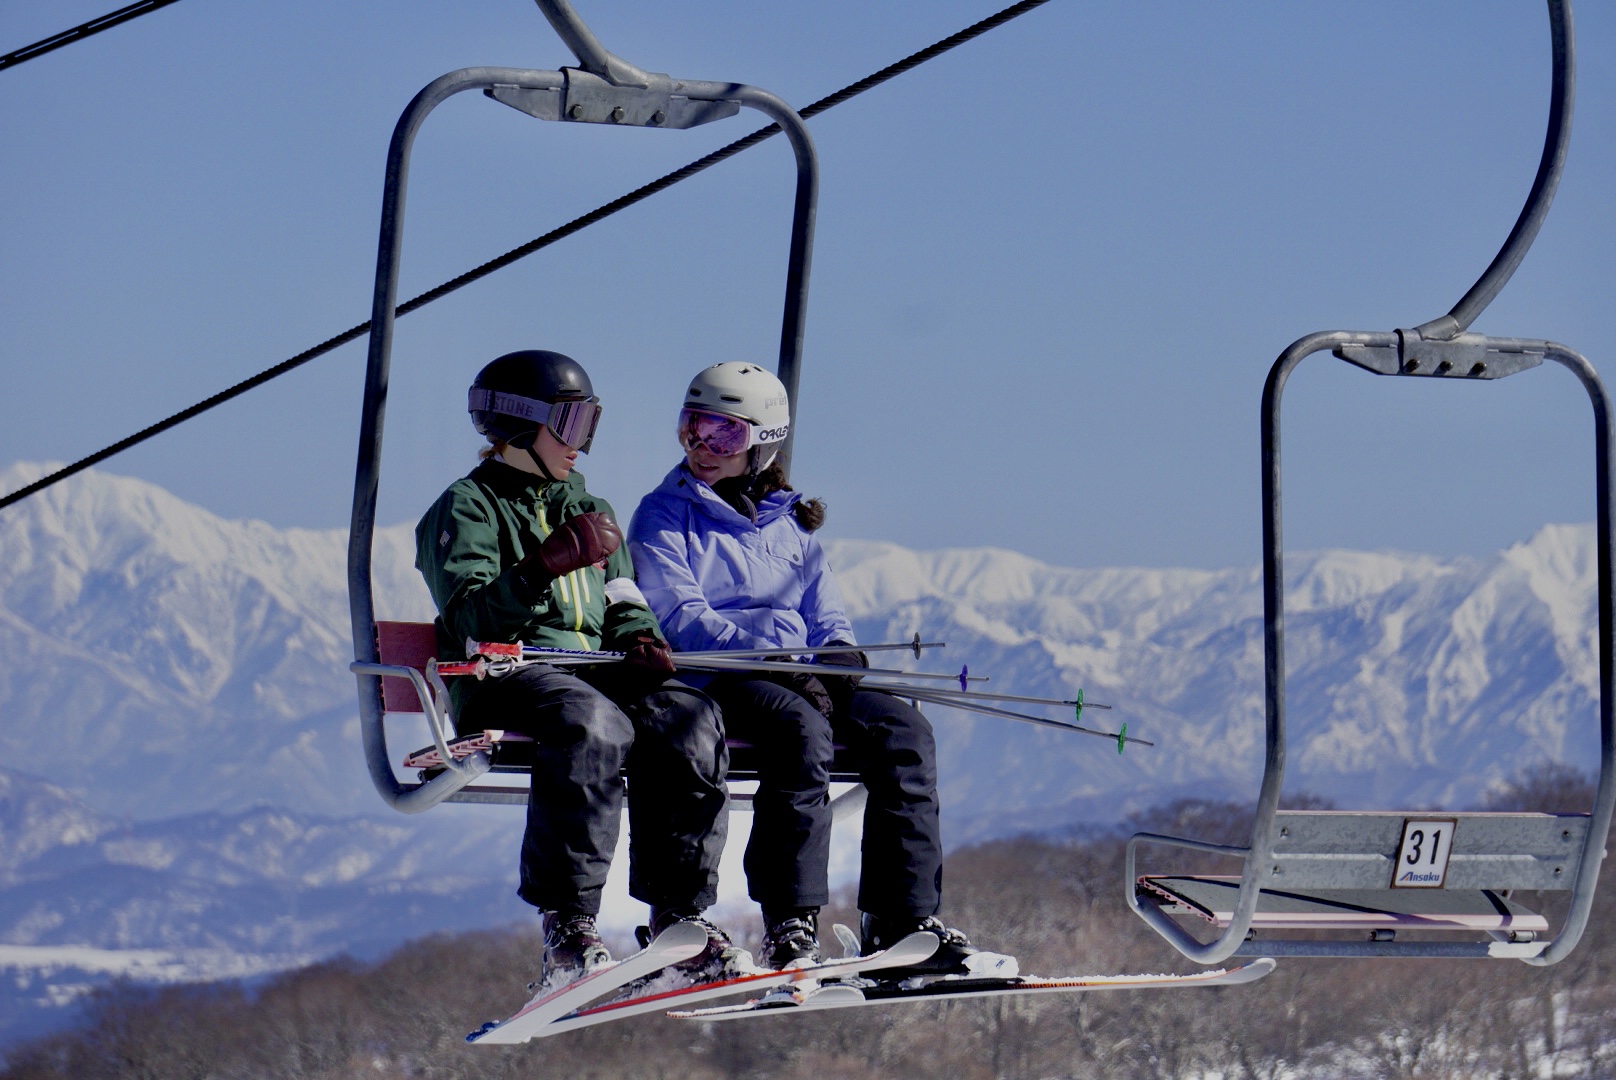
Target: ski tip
[913,949]
[686,934]
[484,1030]
[1245,973]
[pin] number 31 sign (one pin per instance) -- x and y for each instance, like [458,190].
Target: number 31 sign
[1422,859]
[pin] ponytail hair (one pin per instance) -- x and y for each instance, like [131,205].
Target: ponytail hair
[810,513]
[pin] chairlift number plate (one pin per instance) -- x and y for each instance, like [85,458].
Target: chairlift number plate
[1422,858]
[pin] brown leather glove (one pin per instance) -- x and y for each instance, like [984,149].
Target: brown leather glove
[576,543]
[650,653]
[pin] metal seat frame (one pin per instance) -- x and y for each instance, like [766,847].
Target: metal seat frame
[1510,851]
[605,89]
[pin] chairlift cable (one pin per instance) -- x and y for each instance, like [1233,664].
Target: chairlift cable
[622,203]
[80,32]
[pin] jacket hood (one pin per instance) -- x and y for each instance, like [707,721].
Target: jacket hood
[682,484]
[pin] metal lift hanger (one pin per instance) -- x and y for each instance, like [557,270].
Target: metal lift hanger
[605,89]
[1379,872]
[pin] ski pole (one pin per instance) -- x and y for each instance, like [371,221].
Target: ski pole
[714,663]
[514,650]
[1121,738]
[985,696]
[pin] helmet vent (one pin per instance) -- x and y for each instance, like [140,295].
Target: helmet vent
[730,397]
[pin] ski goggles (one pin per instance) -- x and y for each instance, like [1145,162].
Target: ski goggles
[724,435]
[572,421]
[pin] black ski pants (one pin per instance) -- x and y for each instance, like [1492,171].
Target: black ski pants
[670,740]
[891,745]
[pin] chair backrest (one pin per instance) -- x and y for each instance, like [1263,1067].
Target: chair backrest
[407,644]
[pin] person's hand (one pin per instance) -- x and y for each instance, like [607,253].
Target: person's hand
[813,691]
[842,687]
[650,653]
[576,543]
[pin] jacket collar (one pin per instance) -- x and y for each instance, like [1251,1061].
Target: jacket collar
[681,483]
[510,482]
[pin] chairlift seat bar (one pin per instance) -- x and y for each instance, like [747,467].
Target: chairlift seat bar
[1213,898]
[1337,849]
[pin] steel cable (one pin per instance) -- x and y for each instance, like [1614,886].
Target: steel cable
[80,32]
[639,194]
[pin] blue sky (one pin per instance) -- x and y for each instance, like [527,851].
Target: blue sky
[1052,267]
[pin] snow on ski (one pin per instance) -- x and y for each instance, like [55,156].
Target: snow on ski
[847,995]
[913,949]
[681,941]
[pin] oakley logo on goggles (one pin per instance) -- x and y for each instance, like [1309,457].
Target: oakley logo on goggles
[723,435]
[571,421]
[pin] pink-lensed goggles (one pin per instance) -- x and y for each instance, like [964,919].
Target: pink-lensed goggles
[720,434]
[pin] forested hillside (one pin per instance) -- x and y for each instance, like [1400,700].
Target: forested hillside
[1055,902]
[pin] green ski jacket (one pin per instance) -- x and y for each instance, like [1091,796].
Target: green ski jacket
[467,547]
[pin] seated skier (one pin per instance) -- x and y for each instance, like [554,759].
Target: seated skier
[518,550]
[726,555]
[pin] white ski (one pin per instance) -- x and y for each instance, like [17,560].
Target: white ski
[846,995]
[910,950]
[680,941]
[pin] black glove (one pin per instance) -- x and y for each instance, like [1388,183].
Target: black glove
[650,653]
[808,687]
[842,687]
[576,543]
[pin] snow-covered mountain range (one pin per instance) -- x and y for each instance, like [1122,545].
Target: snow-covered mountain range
[185,791]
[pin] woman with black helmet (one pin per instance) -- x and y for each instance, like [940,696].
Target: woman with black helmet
[726,554]
[518,550]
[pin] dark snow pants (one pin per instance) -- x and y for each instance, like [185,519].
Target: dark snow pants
[891,745]
[671,742]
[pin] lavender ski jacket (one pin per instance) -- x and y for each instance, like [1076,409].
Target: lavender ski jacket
[715,580]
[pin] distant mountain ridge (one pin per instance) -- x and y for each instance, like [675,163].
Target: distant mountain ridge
[193,662]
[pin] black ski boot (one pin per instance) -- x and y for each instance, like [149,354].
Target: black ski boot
[721,958]
[791,938]
[572,948]
[955,954]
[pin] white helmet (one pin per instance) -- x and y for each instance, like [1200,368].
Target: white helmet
[744,392]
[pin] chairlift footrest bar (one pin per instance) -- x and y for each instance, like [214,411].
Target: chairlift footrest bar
[1213,899]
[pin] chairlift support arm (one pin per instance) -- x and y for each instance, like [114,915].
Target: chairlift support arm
[1440,348]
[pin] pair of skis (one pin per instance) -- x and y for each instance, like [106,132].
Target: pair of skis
[568,1008]
[845,983]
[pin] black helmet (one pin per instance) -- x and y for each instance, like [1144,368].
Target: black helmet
[511,398]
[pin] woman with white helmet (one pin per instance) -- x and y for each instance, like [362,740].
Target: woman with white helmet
[726,556]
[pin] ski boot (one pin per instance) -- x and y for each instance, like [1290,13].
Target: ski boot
[722,958]
[955,955]
[572,949]
[791,939]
